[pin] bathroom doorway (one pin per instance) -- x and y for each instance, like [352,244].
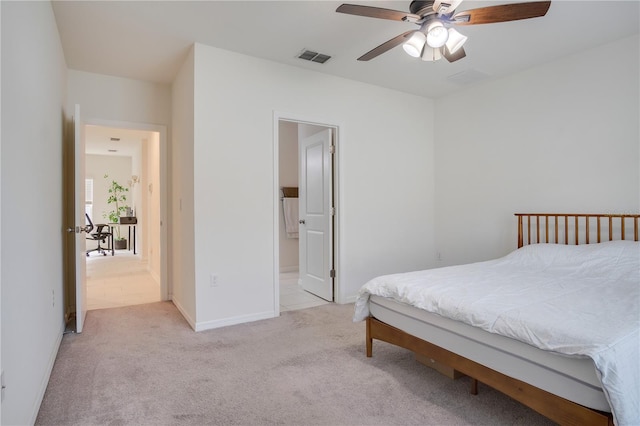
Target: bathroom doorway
[294,292]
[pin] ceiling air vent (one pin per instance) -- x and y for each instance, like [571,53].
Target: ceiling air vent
[115,139]
[468,76]
[309,55]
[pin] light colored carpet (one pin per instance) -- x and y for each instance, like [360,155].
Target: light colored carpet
[143,365]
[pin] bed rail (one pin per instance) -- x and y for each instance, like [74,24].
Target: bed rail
[575,228]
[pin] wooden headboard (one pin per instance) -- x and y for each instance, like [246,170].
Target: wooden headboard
[575,228]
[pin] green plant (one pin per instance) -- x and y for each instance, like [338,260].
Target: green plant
[116,196]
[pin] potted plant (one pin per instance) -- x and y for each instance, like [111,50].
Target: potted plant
[118,197]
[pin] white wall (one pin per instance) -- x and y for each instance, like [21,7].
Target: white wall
[288,176]
[105,97]
[385,178]
[562,137]
[182,180]
[33,113]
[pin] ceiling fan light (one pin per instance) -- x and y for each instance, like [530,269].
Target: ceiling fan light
[437,34]
[455,41]
[414,45]
[430,54]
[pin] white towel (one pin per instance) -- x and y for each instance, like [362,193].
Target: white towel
[290,206]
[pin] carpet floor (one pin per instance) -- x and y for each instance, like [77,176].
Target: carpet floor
[143,365]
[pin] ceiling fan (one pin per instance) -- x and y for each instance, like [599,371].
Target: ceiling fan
[436,37]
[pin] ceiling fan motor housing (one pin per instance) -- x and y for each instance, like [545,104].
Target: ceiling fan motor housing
[421,8]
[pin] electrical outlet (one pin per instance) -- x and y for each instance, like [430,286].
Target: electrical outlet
[213,280]
[53,298]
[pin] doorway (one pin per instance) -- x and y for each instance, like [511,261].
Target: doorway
[129,158]
[298,287]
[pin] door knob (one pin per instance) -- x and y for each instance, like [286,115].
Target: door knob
[77,229]
[301,221]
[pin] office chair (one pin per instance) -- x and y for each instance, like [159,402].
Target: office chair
[100,235]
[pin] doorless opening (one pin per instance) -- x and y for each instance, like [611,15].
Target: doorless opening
[140,149]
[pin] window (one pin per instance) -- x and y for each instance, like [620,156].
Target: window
[88,197]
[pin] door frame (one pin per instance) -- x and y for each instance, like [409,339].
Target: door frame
[165,287]
[337,128]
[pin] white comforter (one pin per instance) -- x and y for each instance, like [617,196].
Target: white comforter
[575,300]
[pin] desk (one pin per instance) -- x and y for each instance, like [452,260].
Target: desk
[129,243]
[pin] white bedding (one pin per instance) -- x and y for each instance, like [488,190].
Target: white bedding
[576,300]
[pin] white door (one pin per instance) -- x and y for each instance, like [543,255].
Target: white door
[316,224]
[78,227]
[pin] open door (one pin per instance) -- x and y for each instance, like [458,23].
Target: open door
[316,221]
[75,188]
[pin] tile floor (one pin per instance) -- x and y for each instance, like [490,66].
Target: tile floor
[120,280]
[123,280]
[293,297]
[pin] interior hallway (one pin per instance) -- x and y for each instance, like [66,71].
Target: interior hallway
[120,280]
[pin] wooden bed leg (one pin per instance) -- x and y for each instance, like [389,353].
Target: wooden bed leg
[369,339]
[474,387]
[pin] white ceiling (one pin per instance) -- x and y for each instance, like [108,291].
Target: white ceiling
[148,40]
[98,141]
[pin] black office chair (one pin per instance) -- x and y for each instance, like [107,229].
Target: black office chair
[100,235]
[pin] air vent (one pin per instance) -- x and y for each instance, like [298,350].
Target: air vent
[466,77]
[309,55]
[112,150]
[115,139]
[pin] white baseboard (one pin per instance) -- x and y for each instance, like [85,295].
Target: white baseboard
[348,299]
[155,276]
[208,325]
[288,269]
[45,379]
[184,313]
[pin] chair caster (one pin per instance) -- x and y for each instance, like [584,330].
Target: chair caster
[87,254]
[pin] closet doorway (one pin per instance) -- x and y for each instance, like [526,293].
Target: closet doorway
[124,164]
[306,237]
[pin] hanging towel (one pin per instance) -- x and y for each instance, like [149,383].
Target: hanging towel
[290,206]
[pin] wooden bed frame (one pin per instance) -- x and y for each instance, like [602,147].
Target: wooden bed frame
[556,408]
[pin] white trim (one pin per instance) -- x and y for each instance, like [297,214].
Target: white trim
[209,325]
[288,269]
[185,314]
[45,378]
[165,258]
[1,365]
[338,128]
[349,299]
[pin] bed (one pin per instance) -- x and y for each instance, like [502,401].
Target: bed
[523,324]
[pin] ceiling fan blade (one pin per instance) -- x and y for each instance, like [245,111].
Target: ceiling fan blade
[377,12]
[502,13]
[452,57]
[386,46]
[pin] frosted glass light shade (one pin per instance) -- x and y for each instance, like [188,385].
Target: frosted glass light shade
[414,45]
[431,54]
[437,34]
[456,40]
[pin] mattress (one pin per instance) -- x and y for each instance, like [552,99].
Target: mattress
[571,377]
